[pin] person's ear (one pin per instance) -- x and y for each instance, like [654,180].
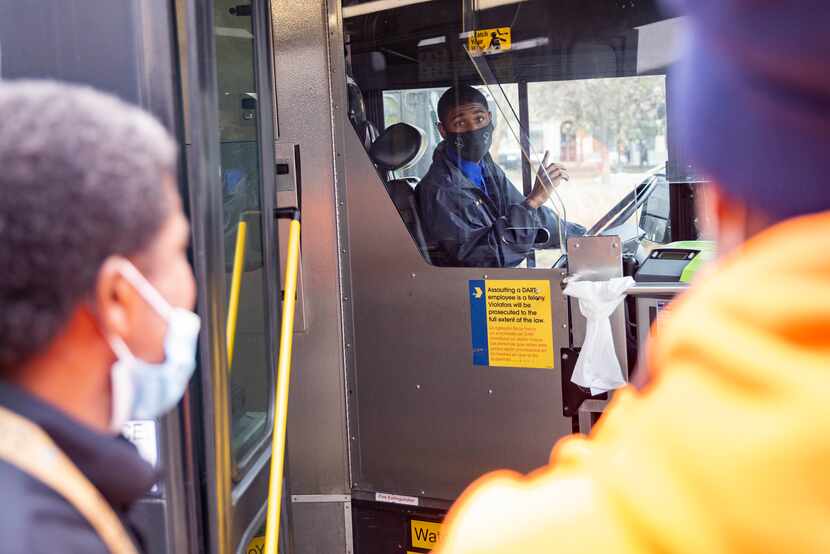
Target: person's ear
[441,130]
[115,299]
[706,212]
[722,218]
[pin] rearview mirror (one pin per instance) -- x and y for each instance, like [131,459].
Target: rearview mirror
[656,228]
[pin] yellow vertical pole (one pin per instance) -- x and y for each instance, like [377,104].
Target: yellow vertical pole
[272,523]
[236,286]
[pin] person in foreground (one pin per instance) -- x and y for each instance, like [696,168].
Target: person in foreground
[468,206]
[95,320]
[723,445]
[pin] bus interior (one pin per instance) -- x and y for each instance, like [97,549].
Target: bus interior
[329,107]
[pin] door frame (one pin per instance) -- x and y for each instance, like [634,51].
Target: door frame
[234,508]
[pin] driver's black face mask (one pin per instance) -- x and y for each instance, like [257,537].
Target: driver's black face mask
[472,145]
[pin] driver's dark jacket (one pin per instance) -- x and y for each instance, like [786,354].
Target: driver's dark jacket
[34,519]
[474,229]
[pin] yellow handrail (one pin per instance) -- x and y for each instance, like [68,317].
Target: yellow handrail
[272,523]
[236,286]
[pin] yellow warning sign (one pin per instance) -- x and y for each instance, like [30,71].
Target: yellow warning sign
[511,323]
[489,40]
[425,534]
[256,546]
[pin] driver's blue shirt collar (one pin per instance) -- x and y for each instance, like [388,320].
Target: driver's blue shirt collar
[471,170]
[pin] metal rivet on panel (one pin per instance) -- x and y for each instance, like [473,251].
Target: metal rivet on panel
[418,387]
[413,275]
[564,355]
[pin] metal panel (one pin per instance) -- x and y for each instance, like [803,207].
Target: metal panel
[317,413]
[650,300]
[597,259]
[428,421]
[322,526]
[307,81]
[320,498]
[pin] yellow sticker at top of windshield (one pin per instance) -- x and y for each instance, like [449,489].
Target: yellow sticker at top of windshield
[488,41]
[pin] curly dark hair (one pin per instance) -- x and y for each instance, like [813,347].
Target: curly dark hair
[81,175]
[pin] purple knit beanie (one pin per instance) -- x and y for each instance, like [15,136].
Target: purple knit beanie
[753,100]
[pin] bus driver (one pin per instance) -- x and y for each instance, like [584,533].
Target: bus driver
[468,206]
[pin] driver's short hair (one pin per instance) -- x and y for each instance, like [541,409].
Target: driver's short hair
[460,95]
[82,178]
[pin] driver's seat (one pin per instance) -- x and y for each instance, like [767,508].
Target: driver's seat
[399,147]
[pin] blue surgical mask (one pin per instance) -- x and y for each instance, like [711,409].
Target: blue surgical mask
[143,390]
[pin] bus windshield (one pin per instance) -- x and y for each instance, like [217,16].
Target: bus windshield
[581,83]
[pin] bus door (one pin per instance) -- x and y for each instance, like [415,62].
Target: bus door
[229,136]
[204,69]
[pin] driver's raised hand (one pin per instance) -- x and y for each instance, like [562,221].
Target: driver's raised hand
[548,178]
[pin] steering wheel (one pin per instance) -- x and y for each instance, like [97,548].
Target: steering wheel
[622,211]
[626,207]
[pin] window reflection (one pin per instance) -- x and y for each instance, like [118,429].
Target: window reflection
[249,359]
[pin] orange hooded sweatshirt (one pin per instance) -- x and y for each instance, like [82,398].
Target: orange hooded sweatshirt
[727,449]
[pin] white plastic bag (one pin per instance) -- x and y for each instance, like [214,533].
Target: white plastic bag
[597,367]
